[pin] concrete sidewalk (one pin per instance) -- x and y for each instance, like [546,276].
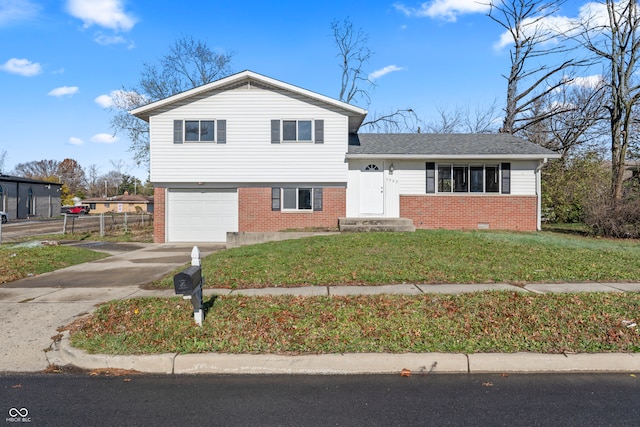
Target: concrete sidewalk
[32,309]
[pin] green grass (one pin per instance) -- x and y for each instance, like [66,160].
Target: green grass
[435,256]
[134,233]
[19,261]
[466,323]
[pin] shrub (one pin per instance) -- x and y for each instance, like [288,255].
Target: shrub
[614,219]
[568,185]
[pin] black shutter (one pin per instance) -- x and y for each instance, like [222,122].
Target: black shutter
[506,178]
[317,199]
[319,137]
[275,131]
[431,177]
[275,199]
[222,132]
[177,131]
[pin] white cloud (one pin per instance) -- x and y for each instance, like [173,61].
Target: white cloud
[75,141]
[384,71]
[105,40]
[592,16]
[12,11]
[23,67]
[104,13]
[444,9]
[105,101]
[104,138]
[590,82]
[64,90]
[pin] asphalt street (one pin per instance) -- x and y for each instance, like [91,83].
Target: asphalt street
[345,400]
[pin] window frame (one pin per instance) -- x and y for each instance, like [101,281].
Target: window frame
[218,133]
[297,129]
[313,130]
[280,199]
[442,178]
[199,132]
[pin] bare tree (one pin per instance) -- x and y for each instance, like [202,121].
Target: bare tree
[447,121]
[93,186]
[188,64]
[534,42]
[354,54]
[616,41]
[401,120]
[481,119]
[46,170]
[478,119]
[3,158]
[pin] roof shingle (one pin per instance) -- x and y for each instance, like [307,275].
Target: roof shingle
[443,145]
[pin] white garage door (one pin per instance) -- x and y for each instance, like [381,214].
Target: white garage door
[201,216]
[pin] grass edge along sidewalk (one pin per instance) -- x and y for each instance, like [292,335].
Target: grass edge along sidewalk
[426,256]
[479,322]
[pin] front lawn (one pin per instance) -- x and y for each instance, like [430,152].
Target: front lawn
[467,323]
[23,260]
[433,256]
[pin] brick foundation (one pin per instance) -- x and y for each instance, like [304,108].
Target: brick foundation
[159,203]
[501,212]
[255,212]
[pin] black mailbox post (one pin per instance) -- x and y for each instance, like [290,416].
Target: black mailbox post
[188,283]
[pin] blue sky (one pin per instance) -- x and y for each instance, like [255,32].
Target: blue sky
[60,60]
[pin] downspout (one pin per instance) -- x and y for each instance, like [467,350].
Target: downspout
[541,163]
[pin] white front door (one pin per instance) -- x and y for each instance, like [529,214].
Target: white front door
[372,190]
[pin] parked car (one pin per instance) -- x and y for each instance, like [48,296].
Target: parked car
[4,216]
[76,210]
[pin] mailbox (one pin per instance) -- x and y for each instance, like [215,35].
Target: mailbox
[186,282]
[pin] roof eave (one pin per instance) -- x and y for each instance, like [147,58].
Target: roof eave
[144,111]
[454,156]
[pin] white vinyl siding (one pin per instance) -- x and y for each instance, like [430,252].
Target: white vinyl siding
[523,178]
[412,175]
[201,216]
[248,155]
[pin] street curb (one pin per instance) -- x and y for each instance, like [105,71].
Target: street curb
[349,364]
[569,362]
[320,364]
[148,363]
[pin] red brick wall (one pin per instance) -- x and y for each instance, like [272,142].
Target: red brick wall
[500,212]
[255,212]
[159,203]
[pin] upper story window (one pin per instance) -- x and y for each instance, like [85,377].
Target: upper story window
[199,130]
[296,130]
[455,178]
[290,130]
[210,131]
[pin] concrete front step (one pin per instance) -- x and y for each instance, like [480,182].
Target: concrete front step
[375,224]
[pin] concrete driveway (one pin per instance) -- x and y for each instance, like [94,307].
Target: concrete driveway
[32,309]
[130,264]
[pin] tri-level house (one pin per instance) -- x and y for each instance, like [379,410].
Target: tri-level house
[249,153]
